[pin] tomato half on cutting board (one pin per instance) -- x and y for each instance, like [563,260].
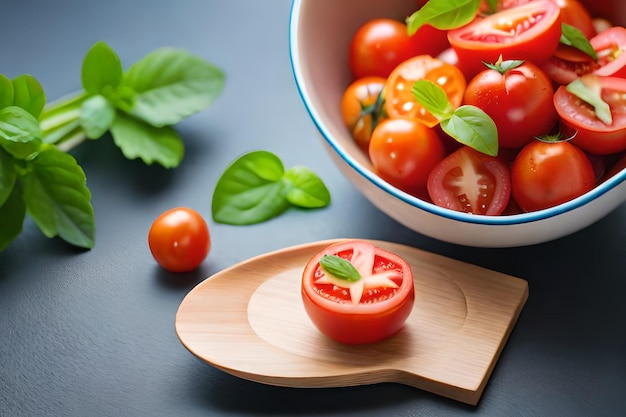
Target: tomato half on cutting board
[528,32]
[360,310]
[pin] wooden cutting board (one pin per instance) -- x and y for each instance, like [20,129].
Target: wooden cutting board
[248,320]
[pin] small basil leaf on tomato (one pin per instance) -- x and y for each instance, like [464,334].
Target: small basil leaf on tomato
[255,188]
[589,90]
[571,36]
[443,14]
[339,267]
[306,190]
[433,98]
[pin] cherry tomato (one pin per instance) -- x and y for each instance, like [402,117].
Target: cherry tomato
[529,32]
[380,45]
[179,239]
[362,108]
[519,100]
[403,152]
[368,310]
[398,92]
[471,182]
[545,174]
[592,134]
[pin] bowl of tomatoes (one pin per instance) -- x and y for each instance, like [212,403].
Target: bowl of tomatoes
[479,123]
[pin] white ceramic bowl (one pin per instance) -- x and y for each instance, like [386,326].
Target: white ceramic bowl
[320,32]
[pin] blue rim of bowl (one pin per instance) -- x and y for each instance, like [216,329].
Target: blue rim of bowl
[513,219]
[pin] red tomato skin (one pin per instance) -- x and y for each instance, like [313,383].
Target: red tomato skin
[548,174]
[482,40]
[591,134]
[447,189]
[364,322]
[403,152]
[179,239]
[381,44]
[519,102]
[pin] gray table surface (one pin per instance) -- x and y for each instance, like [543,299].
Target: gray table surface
[92,333]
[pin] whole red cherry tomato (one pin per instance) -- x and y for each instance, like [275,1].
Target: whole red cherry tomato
[179,239]
[592,133]
[355,309]
[517,95]
[545,174]
[381,44]
[471,182]
[529,32]
[403,152]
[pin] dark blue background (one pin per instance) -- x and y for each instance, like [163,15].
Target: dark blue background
[92,333]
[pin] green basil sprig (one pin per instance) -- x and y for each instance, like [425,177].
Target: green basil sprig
[339,267]
[588,89]
[467,124]
[255,188]
[138,107]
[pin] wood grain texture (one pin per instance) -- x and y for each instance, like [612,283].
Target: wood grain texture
[248,320]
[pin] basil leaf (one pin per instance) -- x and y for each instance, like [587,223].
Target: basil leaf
[250,190]
[12,215]
[473,127]
[29,94]
[19,132]
[255,188]
[6,92]
[152,144]
[589,90]
[172,84]
[101,68]
[306,190]
[443,14]
[433,98]
[57,197]
[339,267]
[96,116]
[572,36]
[469,125]
[8,175]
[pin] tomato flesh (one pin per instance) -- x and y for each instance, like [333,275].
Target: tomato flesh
[528,32]
[399,99]
[592,134]
[378,312]
[471,182]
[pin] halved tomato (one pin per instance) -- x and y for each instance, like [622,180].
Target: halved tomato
[529,32]
[569,63]
[471,182]
[356,310]
[592,134]
[610,46]
[398,92]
